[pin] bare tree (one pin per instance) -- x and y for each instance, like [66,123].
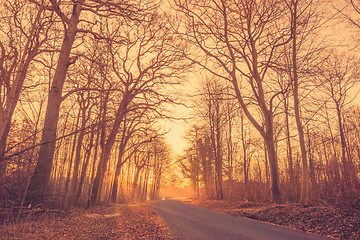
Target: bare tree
[147,62]
[22,40]
[42,172]
[215,117]
[242,38]
[131,124]
[69,14]
[339,77]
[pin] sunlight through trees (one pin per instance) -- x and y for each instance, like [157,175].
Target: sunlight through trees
[86,85]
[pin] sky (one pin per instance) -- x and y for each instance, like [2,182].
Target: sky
[177,128]
[175,136]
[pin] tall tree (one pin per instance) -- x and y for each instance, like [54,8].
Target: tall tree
[242,38]
[41,177]
[306,19]
[22,40]
[339,77]
[215,112]
[69,15]
[145,58]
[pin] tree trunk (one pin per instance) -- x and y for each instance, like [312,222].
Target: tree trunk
[40,181]
[218,155]
[3,143]
[345,165]
[313,189]
[273,161]
[243,140]
[66,200]
[266,165]
[267,133]
[135,183]
[85,166]
[289,151]
[335,160]
[274,177]
[75,173]
[119,165]
[305,170]
[230,151]
[97,143]
[106,150]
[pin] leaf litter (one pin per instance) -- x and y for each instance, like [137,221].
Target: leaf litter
[335,221]
[123,221]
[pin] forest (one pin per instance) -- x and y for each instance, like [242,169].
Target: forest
[271,88]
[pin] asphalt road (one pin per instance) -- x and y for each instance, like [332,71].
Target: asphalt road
[193,223]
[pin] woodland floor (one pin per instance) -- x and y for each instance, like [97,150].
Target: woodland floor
[102,222]
[339,222]
[141,221]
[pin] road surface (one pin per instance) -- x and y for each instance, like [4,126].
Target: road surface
[193,223]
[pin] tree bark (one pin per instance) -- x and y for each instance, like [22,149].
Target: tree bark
[85,166]
[345,164]
[305,169]
[75,173]
[106,150]
[289,151]
[119,165]
[3,143]
[244,146]
[40,181]
[273,161]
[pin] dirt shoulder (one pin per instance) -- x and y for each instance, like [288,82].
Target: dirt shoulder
[330,221]
[102,222]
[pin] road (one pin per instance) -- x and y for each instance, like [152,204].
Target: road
[192,223]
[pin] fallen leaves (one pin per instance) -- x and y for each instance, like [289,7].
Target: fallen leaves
[101,222]
[332,221]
